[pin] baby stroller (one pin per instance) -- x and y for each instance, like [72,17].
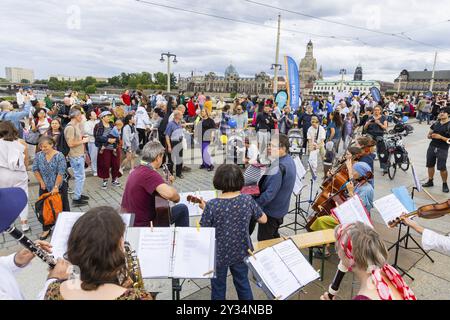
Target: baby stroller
[400,125]
[296,142]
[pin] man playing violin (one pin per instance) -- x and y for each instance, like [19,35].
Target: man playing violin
[144,183]
[438,149]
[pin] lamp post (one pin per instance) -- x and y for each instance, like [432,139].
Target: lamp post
[168,55]
[277,67]
[342,72]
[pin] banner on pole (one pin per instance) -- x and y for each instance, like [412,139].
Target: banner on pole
[292,83]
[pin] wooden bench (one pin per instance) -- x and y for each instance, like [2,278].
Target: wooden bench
[308,241]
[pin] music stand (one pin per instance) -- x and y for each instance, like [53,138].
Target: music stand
[176,288]
[405,238]
[298,210]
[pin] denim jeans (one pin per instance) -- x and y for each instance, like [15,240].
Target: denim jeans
[239,271]
[93,152]
[77,165]
[180,215]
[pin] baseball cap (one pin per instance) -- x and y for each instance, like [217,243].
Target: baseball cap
[12,202]
[104,114]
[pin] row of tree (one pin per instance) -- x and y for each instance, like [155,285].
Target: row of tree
[140,81]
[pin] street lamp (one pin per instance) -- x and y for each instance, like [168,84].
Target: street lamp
[277,67]
[342,72]
[168,55]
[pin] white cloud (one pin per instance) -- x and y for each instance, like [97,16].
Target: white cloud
[128,36]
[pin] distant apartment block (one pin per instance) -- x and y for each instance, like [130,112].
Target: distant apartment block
[19,74]
[61,77]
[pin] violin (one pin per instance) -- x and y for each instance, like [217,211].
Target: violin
[428,211]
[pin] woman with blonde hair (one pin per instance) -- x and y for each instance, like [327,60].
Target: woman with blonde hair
[362,252]
[204,132]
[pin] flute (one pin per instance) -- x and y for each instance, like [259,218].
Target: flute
[334,286]
[27,243]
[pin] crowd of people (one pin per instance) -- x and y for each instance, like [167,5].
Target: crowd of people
[79,134]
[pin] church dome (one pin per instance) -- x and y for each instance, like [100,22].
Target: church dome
[231,71]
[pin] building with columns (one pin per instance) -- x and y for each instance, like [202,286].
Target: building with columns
[419,81]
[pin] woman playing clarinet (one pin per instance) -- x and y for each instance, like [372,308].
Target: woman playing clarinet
[363,252]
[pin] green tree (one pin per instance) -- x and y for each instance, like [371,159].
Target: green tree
[90,89]
[89,81]
[24,81]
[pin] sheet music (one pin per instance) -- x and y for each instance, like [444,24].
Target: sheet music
[389,208]
[274,273]
[300,174]
[63,227]
[154,250]
[194,209]
[194,253]
[351,211]
[296,262]
[416,179]
[405,198]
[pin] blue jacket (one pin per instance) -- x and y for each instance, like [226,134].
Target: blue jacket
[276,188]
[15,117]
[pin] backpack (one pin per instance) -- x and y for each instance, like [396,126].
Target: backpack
[62,146]
[48,207]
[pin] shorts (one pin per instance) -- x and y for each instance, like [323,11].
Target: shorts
[433,154]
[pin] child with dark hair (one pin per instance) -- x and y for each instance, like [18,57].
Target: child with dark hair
[230,214]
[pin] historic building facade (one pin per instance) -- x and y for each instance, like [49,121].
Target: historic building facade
[358,76]
[419,81]
[363,87]
[308,71]
[260,84]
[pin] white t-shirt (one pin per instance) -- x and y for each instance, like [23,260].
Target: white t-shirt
[9,288]
[312,134]
[20,98]
[88,129]
[142,118]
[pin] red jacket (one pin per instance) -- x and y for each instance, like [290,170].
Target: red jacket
[191,108]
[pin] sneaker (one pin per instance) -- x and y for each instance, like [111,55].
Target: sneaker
[79,202]
[445,188]
[116,183]
[83,197]
[202,166]
[211,168]
[180,176]
[70,191]
[105,184]
[25,227]
[318,253]
[428,184]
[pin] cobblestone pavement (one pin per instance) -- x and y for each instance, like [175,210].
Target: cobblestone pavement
[431,280]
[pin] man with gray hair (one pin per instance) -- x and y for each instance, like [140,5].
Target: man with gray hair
[63,112]
[76,141]
[174,137]
[144,183]
[7,113]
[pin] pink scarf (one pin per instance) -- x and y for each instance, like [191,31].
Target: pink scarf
[384,292]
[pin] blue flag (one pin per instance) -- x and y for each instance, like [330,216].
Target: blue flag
[292,82]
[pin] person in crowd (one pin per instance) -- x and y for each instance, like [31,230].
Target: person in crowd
[41,121]
[144,183]
[276,187]
[420,106]
[330,154]
[430,240]
[101,261]
[174,137]
[130,142]
[12,202]
[304,122]
[8,113]
[316,137]
[191,108]
[265,123]
[89,132]
[107,163]
[426,111]
[437,152]
[230,214]
[363,252]
[368,113]
[241,118]
[49,168]
[126,100]
[201,100]
[13,164]
[64,111]
[286,120]
[143,125]
[76,142]
[375,127]
[334,129]
[56,133]
[208,104]
[347,129]
[205,129]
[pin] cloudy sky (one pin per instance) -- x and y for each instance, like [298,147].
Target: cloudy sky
[106,37]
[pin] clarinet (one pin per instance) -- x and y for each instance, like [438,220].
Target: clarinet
[27,243]
[334,286]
